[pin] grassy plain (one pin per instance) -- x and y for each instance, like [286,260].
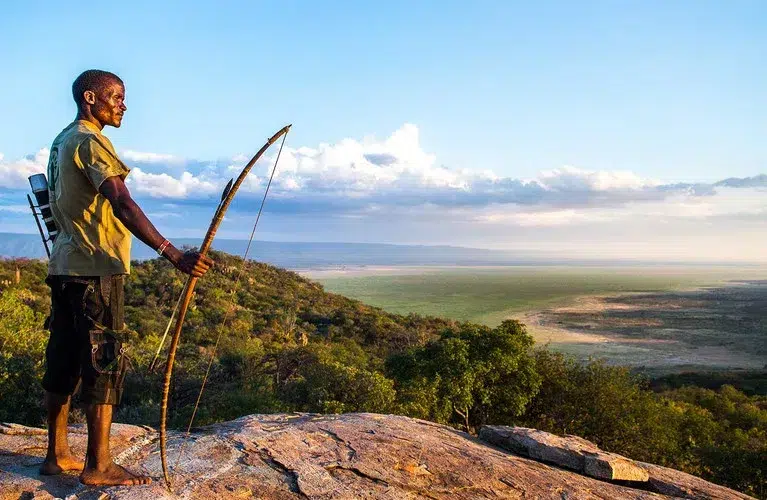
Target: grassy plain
[490,294]
[660,318]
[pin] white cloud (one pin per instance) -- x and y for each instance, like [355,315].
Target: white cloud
[375,177]
[165,186]
[15,174]
[572,178]
[162,215]
[391,190]
[548,218]
[357,168]
[724,202]
[15,209]
[141,157]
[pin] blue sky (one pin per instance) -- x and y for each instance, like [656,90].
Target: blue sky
[564,124]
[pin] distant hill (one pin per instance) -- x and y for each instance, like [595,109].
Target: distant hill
[294,255]
[306,255]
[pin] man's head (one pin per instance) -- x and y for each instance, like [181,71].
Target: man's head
[100,95]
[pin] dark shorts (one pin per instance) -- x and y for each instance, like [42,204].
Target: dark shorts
[87,345]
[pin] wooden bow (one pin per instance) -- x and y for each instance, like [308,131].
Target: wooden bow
[226,199]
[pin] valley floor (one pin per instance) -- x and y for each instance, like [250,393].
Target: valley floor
[718,328]
[659,319]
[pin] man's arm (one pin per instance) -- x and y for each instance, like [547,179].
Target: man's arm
[131,215]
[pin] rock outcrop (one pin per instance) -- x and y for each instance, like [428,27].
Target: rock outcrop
[348,456]
[572,452]
[583,456]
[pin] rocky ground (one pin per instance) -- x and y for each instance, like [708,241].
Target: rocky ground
[350,456]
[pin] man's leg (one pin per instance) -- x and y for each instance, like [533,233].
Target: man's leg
[62,373]
[102,388]
[100,470]
[59,457]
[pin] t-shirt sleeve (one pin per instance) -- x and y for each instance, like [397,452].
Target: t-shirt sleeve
[98,163]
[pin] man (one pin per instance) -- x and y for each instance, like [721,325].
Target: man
[96,216]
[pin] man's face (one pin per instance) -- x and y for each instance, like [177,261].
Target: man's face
[108,104]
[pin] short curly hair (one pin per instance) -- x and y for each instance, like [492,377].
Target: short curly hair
[92,79]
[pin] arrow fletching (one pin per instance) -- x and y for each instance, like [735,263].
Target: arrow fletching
[227,189]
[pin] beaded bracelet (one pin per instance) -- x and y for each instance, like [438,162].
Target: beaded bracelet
[162,247]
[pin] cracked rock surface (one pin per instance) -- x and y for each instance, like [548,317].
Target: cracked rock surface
[349,456]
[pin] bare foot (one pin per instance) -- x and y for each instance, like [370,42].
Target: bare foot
[57,465]
[113,476]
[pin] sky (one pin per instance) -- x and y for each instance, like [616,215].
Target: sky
[630,129]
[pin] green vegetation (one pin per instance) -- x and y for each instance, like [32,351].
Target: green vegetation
[482,375]
[490,295]
[287,345]
[718,435]
[750,382]
[22,349]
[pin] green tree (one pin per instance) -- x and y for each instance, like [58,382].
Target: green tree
[471,375]
[323,383]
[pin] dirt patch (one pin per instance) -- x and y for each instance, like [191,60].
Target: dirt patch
[722,327]
[543,332]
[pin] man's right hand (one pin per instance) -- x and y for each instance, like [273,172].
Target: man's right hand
[193,263]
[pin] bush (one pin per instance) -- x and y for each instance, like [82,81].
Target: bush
[22,357]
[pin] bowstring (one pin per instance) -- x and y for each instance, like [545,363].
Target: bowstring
[227,317]
[165,335]
[153,364]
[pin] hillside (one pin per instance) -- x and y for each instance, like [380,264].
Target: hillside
[288,346]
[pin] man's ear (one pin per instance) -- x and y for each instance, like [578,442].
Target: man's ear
[89,96]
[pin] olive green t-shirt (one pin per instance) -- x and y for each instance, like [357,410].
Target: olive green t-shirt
[91,240]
